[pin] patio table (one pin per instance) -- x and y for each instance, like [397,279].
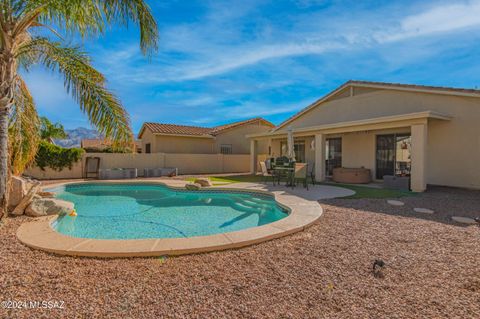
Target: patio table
[285,169]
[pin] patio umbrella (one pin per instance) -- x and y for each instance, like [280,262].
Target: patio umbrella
[290,150]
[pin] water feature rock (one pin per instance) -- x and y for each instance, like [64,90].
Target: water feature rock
[204,182]
[46,194]
[48,206]
[26,200]
[19,187]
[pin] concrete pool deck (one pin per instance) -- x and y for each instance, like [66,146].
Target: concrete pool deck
[303,205]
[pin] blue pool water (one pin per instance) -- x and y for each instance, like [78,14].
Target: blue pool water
[134,211]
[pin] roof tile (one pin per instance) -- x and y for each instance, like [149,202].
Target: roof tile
[174,129]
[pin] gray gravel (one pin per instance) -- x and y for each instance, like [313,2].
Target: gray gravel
[432,271]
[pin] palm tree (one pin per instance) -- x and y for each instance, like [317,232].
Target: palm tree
[22,46]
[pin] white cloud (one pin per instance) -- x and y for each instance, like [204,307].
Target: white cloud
[440,19]
[245,58]
[215,45]
[257,108]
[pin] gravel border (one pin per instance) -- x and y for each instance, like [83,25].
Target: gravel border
[323,272]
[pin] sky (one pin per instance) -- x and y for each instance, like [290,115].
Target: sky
[226,61]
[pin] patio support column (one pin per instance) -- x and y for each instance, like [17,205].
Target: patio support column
[319,157]
[253,156]
[418,179]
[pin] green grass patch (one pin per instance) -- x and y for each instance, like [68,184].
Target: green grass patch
[371,192]
[360,191]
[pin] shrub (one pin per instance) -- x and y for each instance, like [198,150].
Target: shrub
[56,157]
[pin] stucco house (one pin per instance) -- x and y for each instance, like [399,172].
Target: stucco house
[431,134]
[224,139]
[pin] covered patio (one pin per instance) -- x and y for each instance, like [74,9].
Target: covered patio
[389,145]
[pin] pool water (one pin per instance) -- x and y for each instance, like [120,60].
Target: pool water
[135,211]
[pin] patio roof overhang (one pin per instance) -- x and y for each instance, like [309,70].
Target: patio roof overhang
[384,122]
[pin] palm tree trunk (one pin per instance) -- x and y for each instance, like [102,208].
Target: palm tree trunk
[3,159]
[7,76]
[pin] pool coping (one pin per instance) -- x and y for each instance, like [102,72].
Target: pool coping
[39,234]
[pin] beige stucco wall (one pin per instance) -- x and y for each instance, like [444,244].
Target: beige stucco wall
[237,137]
[186,164]
[358,150]
[453,147]
[183,145]
[148,137]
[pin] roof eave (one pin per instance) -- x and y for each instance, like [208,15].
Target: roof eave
[376,120]
[412,89]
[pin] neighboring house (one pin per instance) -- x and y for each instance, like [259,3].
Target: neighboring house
[100,145]
[431,134]
[226,139]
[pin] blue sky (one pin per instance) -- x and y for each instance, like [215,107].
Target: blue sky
[223,61]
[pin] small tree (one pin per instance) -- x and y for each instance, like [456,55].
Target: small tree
[49,131]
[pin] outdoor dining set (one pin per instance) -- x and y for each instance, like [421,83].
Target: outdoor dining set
[287,170]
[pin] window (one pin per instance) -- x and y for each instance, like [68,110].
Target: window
[147,148]
[298,148]
[226,148]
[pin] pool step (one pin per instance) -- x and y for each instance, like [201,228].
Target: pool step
[243,208]
[257,205]
[252,209]
[253,205]
[257,200]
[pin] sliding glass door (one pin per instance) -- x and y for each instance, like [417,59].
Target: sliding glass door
[393,155]
[333,154]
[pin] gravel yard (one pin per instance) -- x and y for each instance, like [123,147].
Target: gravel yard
[432,270]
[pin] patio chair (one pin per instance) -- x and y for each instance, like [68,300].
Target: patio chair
[266,174]
[92,166]
[301,173]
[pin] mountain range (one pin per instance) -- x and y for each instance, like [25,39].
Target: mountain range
[75,136]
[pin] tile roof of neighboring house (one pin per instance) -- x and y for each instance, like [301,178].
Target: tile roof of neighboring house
[100,143]
[384,85]
[219,129]
[173,129]
[160,128]
[94,143]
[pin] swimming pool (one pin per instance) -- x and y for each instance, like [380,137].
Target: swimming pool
[141,211]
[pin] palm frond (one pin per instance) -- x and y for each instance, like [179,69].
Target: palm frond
[91,17]
[138,12]
[86,85]
[23,130]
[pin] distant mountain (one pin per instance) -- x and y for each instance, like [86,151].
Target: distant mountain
[76,135]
